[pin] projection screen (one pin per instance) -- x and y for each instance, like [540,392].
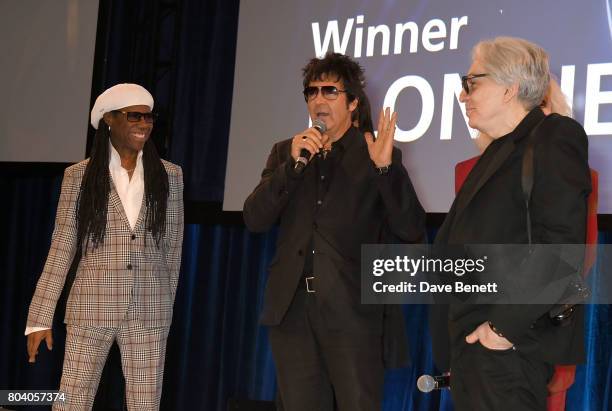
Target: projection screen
[45,78]
[414,53]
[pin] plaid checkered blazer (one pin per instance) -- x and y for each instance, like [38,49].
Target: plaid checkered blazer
[126,267]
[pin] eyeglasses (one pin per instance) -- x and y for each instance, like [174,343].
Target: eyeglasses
[328,92]
[135,116]
[465,81]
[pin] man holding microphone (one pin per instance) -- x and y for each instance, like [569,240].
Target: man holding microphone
[332,189]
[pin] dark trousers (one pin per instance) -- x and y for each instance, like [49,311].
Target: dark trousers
[483,379]
[317,367]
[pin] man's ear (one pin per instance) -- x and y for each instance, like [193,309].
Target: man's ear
[109,118]
[511,92]
[353,104]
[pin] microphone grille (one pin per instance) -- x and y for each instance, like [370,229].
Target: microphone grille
[320,125]
[426,383]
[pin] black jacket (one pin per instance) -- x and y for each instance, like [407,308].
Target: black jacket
[490,209]
[360,207]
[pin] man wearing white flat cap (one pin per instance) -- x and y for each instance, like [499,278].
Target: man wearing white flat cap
[121,210]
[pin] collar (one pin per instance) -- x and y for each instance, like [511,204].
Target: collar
[525,126]
[347,140]
[115,159]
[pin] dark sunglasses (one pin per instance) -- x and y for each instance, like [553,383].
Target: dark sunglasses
[465,81]
[135,116]
[328,92]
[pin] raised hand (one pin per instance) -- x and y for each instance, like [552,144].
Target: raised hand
[381,149]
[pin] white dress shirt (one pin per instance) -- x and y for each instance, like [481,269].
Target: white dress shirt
[131,192]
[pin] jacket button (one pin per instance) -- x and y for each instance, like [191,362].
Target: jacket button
[133,236]
[129,266]
[315,226]
[300,252]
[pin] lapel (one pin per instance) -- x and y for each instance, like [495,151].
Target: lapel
[508,146]
[141,213]
[502,154]
[116,202]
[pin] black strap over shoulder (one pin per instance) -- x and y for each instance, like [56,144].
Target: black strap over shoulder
[527,174]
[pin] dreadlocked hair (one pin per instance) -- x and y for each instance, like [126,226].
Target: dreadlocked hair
[92,203]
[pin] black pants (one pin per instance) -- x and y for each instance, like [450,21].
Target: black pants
[317,367]
[483,379]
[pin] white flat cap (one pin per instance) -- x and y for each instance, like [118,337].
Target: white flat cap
[120,96]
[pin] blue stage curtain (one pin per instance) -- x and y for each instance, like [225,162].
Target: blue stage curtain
[204,87]
[27,215]
[219,349]
[592,389]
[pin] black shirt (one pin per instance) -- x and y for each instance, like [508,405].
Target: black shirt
[325,163]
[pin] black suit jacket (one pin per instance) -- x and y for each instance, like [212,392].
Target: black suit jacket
[490,209]
[360,207]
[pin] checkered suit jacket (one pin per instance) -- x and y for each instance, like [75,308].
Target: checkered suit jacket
[123,268]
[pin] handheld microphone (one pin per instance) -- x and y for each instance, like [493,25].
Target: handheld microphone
[304,157]
[427,383]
